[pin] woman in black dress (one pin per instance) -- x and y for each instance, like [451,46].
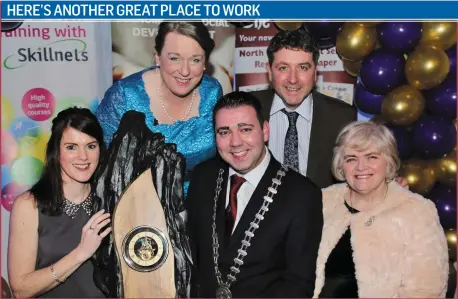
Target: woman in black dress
[53,233]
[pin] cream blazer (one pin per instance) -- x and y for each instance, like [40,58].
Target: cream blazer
[402,254]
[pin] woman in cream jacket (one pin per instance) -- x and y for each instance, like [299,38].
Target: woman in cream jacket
[379,239]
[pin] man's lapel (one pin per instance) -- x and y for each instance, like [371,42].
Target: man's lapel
[316,135]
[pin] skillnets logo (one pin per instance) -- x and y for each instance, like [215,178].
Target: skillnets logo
[45,45]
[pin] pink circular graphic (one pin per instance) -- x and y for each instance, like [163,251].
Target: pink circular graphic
[38,104]
[10,192]
[9,147]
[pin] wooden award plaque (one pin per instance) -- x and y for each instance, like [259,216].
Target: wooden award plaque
[142,242]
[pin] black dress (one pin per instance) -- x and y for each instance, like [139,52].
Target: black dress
[57,237]
[340,281]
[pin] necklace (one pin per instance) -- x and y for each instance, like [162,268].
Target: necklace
[71,209]
[223,290]
[371,219]
[165,109]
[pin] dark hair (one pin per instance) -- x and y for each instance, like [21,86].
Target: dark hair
[48,191]
[195,30]
[298,39]
[236,99]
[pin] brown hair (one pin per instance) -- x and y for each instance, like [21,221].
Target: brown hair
[195,30]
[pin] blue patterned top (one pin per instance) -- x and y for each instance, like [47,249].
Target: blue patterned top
[194,137]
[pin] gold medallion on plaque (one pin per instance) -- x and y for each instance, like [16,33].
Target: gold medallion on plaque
[145,248]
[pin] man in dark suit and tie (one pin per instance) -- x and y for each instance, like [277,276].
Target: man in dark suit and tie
[304,123]
[254,225]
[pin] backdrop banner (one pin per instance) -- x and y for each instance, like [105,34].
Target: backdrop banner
[251,59]
[46,68]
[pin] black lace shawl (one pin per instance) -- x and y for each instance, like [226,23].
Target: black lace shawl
[133,150]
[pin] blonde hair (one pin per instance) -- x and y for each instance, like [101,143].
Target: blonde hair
[359,135]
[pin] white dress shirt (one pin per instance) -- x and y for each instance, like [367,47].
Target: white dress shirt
[246,190]
[279,126]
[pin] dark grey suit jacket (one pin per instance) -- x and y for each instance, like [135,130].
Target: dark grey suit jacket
[330,115]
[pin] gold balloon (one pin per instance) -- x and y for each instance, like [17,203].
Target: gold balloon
[368,24]
[403,105]
[355,41]
[439,34]
[446,169]
[427,67]
[289,25]
[352,67]
[419,174]
[450,234]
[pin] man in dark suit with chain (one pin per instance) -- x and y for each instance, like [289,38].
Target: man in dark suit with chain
[304,123]
[254,225]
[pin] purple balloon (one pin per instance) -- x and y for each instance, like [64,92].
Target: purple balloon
[441,100]
[366,101]
[404,140]
[445,199]
[451,53]
[382,71]
[400,37]
[434,136]
[324,30]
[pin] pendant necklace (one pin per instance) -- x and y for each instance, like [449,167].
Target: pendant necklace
[371,219]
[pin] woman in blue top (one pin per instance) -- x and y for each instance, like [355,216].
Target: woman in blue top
[175,95]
